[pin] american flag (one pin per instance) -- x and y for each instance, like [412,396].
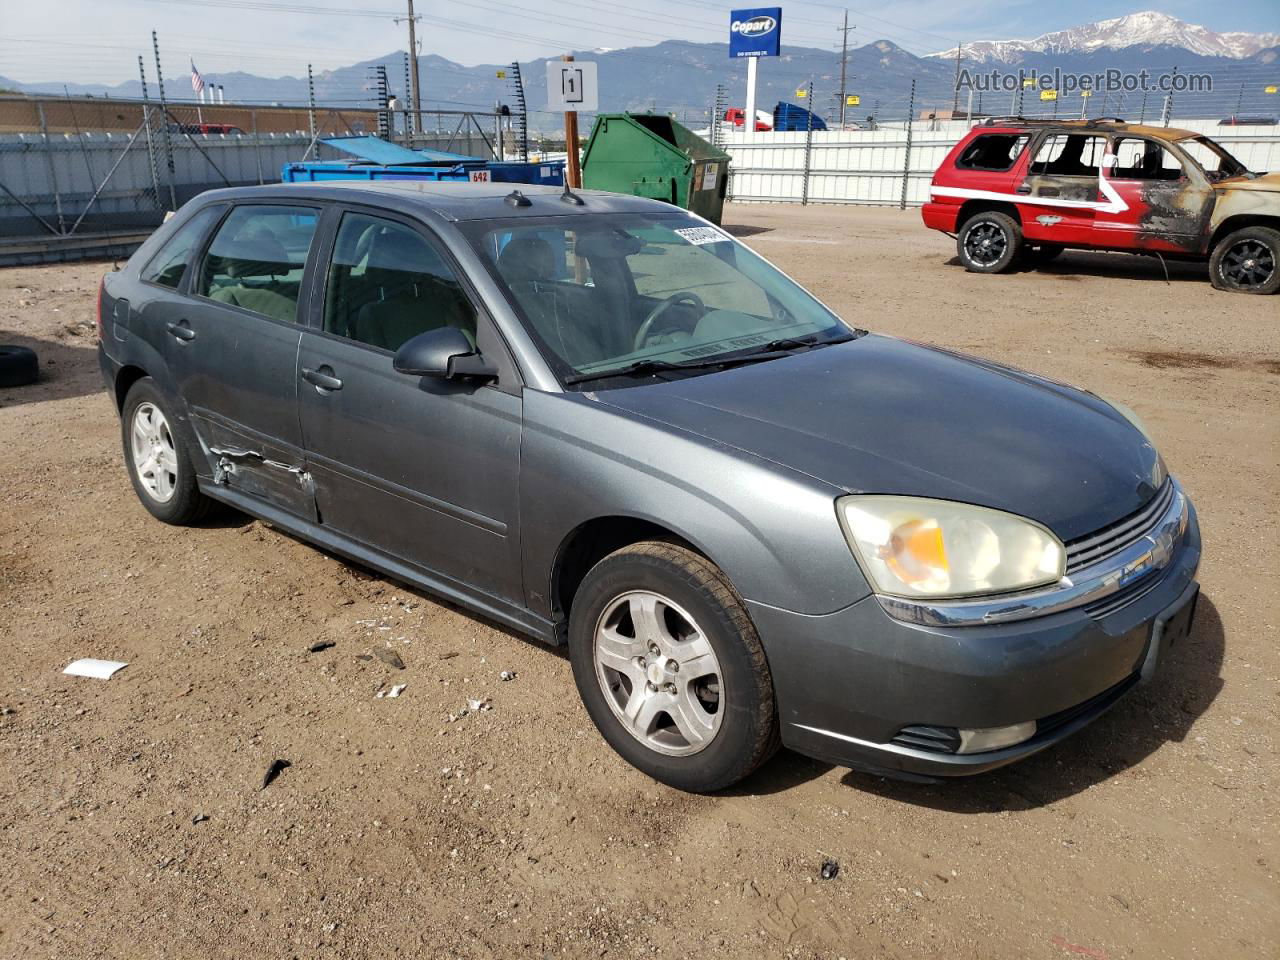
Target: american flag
[197,81]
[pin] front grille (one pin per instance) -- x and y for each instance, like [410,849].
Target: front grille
[1110,540]
[1129,593]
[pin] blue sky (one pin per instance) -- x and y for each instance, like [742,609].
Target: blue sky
[99,40]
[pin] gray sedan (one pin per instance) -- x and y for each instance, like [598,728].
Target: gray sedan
[604,422]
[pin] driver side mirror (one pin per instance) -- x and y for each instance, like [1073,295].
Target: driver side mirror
[445,353]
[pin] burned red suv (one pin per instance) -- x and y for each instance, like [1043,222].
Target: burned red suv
[1015,190]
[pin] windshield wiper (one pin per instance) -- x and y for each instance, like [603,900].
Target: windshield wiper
[641,367]
[811,340]
[769,351]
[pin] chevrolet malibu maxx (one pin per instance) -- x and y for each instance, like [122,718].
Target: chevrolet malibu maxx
[604,422]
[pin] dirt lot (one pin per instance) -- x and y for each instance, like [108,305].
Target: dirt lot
[401,830]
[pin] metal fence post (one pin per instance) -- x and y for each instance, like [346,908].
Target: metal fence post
[151,147]
[53,171]
[906,163]
[164,125]
[808,145]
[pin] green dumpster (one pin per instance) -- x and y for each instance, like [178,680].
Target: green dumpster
[650,155]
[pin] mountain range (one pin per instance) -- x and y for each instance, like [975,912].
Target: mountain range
[1143,30]
[681,77]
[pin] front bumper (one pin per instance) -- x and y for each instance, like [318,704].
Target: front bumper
[848,682]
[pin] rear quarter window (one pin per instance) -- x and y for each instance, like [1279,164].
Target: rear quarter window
[992,151]
[169,265]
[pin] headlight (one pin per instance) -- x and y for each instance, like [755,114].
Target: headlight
[914,547]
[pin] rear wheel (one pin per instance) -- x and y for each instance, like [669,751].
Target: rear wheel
[157,458]
[1247,261]
[670,667]
[989,242]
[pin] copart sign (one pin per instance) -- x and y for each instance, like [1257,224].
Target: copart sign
[756,32]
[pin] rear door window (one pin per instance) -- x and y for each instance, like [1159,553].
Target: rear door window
[257,258]
[993,151]
[169,264]
[1070,155]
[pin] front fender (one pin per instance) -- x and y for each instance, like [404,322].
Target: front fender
[773,531]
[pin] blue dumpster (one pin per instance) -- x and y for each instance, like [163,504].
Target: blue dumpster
[376,159]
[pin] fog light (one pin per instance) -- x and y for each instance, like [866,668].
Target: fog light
[993,738]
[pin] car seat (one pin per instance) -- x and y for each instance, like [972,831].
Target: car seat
[408,291]
[528,265]
[258,254]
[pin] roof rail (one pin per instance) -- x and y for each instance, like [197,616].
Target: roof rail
[1052,121]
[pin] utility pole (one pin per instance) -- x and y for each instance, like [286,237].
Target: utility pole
[844,60]
[955,103]
[414,93]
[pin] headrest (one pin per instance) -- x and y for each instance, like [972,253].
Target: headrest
[527,258]
[400,251]
[256,254]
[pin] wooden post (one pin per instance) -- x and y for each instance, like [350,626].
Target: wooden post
[572,170]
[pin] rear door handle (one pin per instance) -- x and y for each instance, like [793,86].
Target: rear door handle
[322,379]
[1023,189]
[181,330]
[1049,191]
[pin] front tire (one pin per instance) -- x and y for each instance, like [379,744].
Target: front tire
[157,458]
[670,667]
[989,242]
[1247,261]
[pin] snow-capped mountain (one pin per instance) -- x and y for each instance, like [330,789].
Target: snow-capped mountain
[1146,29]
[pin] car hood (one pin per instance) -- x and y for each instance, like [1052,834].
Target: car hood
[1267,183]
[881,415]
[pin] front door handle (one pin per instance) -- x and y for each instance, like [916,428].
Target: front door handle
[322,379]
[181,330]
[1024,189]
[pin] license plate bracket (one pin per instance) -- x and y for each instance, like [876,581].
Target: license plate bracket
[1169,628]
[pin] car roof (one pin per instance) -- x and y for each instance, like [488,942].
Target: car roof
[1077,126]
[454,200]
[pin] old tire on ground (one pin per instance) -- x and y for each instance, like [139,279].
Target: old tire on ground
[157,458]
[989,242]
[18,366]
[1247,261]
[670,667]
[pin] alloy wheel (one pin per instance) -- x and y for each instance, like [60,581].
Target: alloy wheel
[985,243]
[1248,263]
[155,460]
[659,673]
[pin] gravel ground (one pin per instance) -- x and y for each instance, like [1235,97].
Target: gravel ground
[134,821]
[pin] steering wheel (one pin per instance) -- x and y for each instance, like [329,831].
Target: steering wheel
[684,296]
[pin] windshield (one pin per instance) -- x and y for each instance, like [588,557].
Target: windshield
[638,293]
[1216,162]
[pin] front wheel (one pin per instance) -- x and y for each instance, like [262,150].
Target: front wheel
[1247,261]
[989,242]
[670,667]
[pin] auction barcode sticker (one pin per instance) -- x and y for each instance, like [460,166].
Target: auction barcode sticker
[700,235]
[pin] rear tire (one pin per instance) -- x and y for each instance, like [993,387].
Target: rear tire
[989,242]
[702,700]
[157,458]
[18,366]
[1247,261]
